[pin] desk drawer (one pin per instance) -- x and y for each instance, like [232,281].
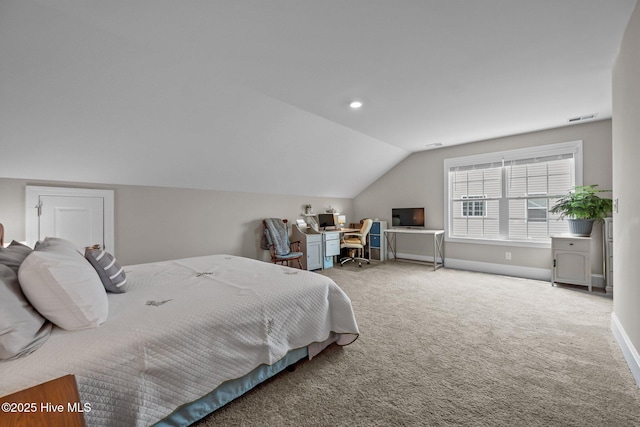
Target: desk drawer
[374,241]
[332,236]
[332,247]
[571,244]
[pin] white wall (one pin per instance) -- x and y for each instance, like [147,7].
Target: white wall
[626,224]
[419,181]
[80,87]
[156,223]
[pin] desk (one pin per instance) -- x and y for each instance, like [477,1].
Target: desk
[319,247]
[331,244]
[437,236]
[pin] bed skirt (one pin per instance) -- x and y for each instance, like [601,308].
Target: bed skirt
[226,392]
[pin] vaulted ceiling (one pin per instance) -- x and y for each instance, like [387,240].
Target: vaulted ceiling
[254,95]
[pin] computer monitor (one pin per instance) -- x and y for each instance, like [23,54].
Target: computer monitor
[407,217]
[326,220]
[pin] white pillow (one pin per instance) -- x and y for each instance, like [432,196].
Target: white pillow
[63,286]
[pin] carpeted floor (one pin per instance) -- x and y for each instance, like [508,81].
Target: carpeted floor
[450,348]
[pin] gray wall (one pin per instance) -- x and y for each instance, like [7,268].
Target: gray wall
[626,155]
[419,181]
[156,223]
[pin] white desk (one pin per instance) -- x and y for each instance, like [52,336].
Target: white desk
[319,247]
[437,236]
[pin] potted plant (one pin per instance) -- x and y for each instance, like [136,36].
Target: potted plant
[307,209]
[582,207]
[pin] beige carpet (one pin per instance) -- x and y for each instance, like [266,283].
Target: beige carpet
[454,348]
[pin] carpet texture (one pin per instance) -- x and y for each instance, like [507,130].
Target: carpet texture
[452,347]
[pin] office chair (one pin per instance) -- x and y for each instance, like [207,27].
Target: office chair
[276,239]
[357,242]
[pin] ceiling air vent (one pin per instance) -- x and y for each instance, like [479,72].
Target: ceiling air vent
[580,118]
[434,145]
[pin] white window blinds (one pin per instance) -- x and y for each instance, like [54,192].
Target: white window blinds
[507,195]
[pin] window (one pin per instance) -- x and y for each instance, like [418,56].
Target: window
[537,210]
[505,196]
[473,207]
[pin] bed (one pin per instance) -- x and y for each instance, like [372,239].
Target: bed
[188,336]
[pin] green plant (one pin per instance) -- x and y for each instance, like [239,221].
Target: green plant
[583,202]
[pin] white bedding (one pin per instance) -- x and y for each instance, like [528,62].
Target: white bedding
[182,328]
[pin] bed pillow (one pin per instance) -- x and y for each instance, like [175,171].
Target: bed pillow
[63,286]
[22,329]
[57,244]
[111,274]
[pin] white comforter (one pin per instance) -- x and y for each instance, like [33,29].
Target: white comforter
[182,328]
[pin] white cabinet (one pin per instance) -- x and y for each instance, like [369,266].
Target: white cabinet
[377,243]
[331,240]
[331,243]
[319,247]
[607,240]
[313,252]
[571,260]
[311,246]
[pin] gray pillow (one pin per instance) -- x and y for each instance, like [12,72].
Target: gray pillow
[22,329]
[111,274]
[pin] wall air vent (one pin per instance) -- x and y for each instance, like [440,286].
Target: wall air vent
[581,118]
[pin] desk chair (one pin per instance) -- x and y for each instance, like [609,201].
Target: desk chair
[276,239]
[357,242]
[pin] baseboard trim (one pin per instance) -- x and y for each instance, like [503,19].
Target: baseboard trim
[628,350]
[597,280]
[502,269]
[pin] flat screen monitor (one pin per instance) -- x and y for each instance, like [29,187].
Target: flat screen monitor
[326,220]
[407,217]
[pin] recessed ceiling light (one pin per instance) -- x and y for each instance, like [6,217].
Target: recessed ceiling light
[355,104]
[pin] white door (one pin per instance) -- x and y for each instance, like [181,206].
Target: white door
[78,219]
[82,216]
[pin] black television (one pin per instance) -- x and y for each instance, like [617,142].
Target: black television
[326,220]
[407,217]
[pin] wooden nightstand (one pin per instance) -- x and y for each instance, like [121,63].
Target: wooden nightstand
[54,403]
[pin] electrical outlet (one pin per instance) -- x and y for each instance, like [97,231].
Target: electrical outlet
[507,255]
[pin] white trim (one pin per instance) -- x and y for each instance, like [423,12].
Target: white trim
[545,244]
[32,196]
[533,273]
[628,350]
[502,269]
[522,153]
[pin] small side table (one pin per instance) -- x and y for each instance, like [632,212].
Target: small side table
[571,260]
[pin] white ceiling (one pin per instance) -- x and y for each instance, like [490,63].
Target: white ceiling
[253,95]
